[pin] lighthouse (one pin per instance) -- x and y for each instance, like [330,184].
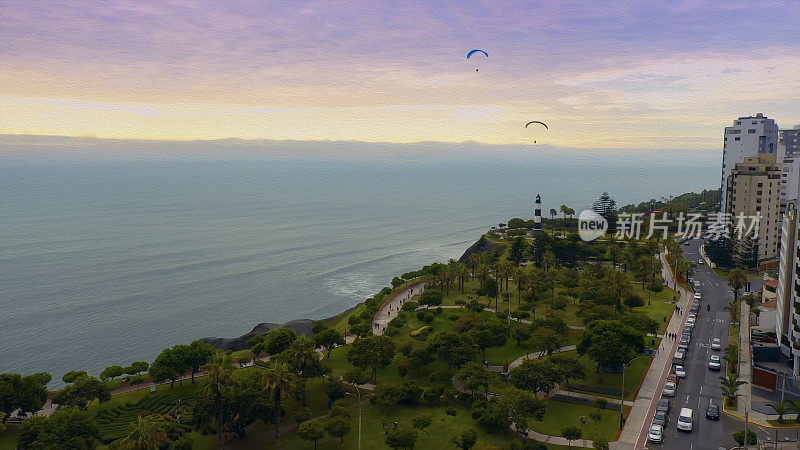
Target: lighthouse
[537,215]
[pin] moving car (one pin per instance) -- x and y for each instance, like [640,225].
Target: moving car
[677,369]
[669,389]
[716,344]
[664,405]
[713,363]
[685,419]
[712,412]
[656,434]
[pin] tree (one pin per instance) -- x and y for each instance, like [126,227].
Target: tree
[372,352]
[65,428]
[318,327]
[137,367]
[73,375]
[794,405]
[745,252]
[170,364]
[218,382]
[454,348]
[197,354]
[780,409]
[304,357]
[28,393]
[474,377]
[422,422]
[328,339]
[489,334]
[401,438]
[737,278]
[732,356]
[387,394]
[301,415]
[730,386]
[431,297]
[546,341]
[112,372]
[738,436]
[600,443]
[610,343]
[279,379]
[639,321]
[279,339]
[335,388]
[518,406]
[311,430]
[144,434]
[83,391]
[467,440]
[521,334]
[571,433]
[338,426]
[516,251]
[633,300]
[571,368]
[535,375]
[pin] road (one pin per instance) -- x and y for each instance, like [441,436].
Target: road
[701,385]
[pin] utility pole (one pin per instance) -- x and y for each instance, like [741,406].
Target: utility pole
[358,391]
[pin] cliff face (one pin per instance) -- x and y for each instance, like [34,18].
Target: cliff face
[301,326]
[480,246]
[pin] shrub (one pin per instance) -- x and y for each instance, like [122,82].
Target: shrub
[410,306]
[354,319]
[450,411]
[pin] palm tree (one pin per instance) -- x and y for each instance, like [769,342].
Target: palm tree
[473,261]
[482,272]
[303,355]
[795,406]
[737,278]
[564,209]
[553,215]
[548,260]
[781,408]
[732,356]
[145,434]
[218,382]
[614,253]
[729,386]
[503,272]
[619,281]
[462,272]
[521,275]
[280,380]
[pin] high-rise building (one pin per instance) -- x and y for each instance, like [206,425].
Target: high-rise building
[748,137]
[785,291]
[791,139]
[753,189]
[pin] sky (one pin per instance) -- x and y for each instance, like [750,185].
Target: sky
[638,74]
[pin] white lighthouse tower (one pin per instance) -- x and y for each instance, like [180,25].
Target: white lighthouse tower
[537,215]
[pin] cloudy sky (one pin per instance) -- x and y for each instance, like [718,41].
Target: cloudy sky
[638,74]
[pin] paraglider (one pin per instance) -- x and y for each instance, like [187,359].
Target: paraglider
[472,52]
[536,121]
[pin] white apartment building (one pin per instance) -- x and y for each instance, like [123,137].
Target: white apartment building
[748,137]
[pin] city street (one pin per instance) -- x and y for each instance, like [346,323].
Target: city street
[701,385]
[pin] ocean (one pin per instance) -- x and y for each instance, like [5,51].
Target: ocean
[109,257]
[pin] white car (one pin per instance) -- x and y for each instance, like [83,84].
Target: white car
[714,363]
[656,434]
[698,296]
[716,344]
[690,321]
[692,316]
[685,419]
[669,389]
[701,262]
[678,371]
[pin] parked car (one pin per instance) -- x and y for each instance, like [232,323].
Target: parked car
[701,261]
[656,434]
[692,316]
[669,389]
[712,412]
[685,419]
[677,369]
[661,418]
[686,243]
[672,378]
[698,296]
[713,362]
[716,344]
[664,405]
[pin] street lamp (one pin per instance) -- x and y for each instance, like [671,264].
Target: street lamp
[358,391]
[622,391]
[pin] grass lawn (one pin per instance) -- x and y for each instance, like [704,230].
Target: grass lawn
[8,438]
[610,388]
[560,415]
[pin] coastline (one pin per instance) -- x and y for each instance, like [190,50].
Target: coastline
[303,326]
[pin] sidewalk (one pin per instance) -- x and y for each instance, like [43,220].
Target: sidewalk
[389,309]
[635,430]
[744,403]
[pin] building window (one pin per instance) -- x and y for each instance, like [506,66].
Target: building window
[760,184]
[738,139]
[755,122]
[751,131]
[738,122]
[759,192]
[758,208]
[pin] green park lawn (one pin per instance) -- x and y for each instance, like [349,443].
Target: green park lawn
[8,438]
[560,415]
[612,382]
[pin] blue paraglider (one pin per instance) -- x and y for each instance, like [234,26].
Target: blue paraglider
[472,52]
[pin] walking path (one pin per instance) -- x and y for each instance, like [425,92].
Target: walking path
[634,432]
[389,309]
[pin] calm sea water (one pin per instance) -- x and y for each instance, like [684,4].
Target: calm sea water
[106,261]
